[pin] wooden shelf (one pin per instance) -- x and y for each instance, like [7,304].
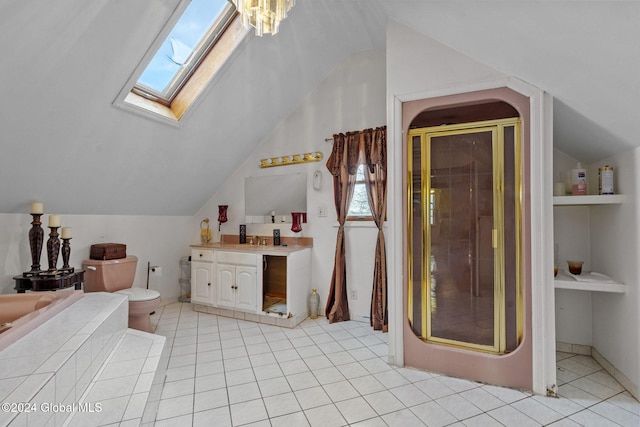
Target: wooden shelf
[564,281]
[610,199]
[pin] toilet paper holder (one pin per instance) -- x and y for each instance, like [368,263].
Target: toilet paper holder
[152,269]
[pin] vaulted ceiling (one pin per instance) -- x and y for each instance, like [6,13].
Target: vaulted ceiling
[63,65]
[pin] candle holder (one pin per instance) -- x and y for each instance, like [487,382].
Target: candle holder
[36,239]
[66,253]
[53,249]
[222,218]
[297,219]
[222,215]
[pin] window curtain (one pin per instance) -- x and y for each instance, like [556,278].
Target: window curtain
[374,145]
[343,165]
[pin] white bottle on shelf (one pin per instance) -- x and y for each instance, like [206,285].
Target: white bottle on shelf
[579,181]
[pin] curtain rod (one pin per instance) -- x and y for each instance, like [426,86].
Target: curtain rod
[331,139]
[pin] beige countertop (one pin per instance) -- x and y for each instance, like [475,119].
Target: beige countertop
[251,248]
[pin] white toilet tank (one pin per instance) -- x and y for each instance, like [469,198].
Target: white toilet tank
[110,275]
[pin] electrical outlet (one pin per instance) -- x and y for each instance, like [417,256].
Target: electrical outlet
[354,294]
[322,211]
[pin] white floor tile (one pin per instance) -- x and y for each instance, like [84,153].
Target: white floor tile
[328,375]
[248,412]
[510,416]
[367,384]
[384,402]
[281,404]
[225,371]
[587,418]
[341,390]
[325,416]
[403,418]
[274,386]
[178,388]
[302,380]
[219,417]
[243,392]
[537,411]
[175,406]
[297,419]
[458,406]
[433,415]
[312,397]
[211,399]
[355,410]
[616,414]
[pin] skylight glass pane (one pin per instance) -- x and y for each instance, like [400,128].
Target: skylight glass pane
[175,52]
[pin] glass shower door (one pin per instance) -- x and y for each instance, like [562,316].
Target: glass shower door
[463,235]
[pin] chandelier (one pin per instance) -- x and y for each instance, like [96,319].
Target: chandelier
[263,15]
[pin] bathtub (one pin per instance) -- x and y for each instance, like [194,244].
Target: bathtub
[22,313]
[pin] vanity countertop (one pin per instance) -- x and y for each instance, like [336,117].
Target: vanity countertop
[251,248]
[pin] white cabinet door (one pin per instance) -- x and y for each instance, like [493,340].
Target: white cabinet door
[226,275]
[201,276]
[246,291]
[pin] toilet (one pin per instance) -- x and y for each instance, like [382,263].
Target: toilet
[116,275]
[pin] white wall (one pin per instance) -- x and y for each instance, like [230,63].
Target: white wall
[351,98]
[156,239]
[615,249]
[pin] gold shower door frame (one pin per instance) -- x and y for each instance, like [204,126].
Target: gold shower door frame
[427,303]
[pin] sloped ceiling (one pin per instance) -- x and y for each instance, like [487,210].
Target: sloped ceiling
[65,144]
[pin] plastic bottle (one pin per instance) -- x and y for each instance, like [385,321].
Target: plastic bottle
[579,180]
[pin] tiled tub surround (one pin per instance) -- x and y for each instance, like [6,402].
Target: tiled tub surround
[29,310]
[223,372]
[59,362]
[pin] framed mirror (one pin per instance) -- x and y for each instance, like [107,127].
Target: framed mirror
[277,194]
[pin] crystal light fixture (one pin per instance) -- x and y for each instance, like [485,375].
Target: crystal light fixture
[263,15]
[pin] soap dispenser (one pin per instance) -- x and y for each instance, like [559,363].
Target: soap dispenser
[579,180]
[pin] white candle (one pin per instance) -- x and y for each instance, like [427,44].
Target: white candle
[36,208]
[54,220]
[66,232]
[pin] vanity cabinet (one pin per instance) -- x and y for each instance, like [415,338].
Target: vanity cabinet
[236,280]
[202,276]
[266,284]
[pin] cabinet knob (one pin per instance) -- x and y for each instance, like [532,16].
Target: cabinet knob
[208,284]
[200,255]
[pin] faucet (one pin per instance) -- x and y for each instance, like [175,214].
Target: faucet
[264,241]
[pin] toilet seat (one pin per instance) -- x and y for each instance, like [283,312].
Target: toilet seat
[139,294]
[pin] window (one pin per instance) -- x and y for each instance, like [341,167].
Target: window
[196,47]
[359,209]
[190,39]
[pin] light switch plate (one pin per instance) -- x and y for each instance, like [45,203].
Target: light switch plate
[322,211]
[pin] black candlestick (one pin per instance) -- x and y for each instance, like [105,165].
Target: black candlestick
[53,249]
[36,238]
[66,253]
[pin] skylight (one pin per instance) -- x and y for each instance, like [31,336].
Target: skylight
[192,37]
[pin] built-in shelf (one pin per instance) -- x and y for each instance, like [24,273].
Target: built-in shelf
[609,199]
[565,281]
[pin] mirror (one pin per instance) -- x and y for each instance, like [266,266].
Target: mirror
[281,194]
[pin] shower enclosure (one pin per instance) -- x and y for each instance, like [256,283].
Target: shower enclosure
[464,240]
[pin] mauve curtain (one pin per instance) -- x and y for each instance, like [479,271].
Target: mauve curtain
[374,145]
[343,165]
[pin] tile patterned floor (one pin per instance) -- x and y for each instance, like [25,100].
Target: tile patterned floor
[227,372]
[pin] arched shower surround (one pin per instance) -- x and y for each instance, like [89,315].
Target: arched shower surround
[467,290]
